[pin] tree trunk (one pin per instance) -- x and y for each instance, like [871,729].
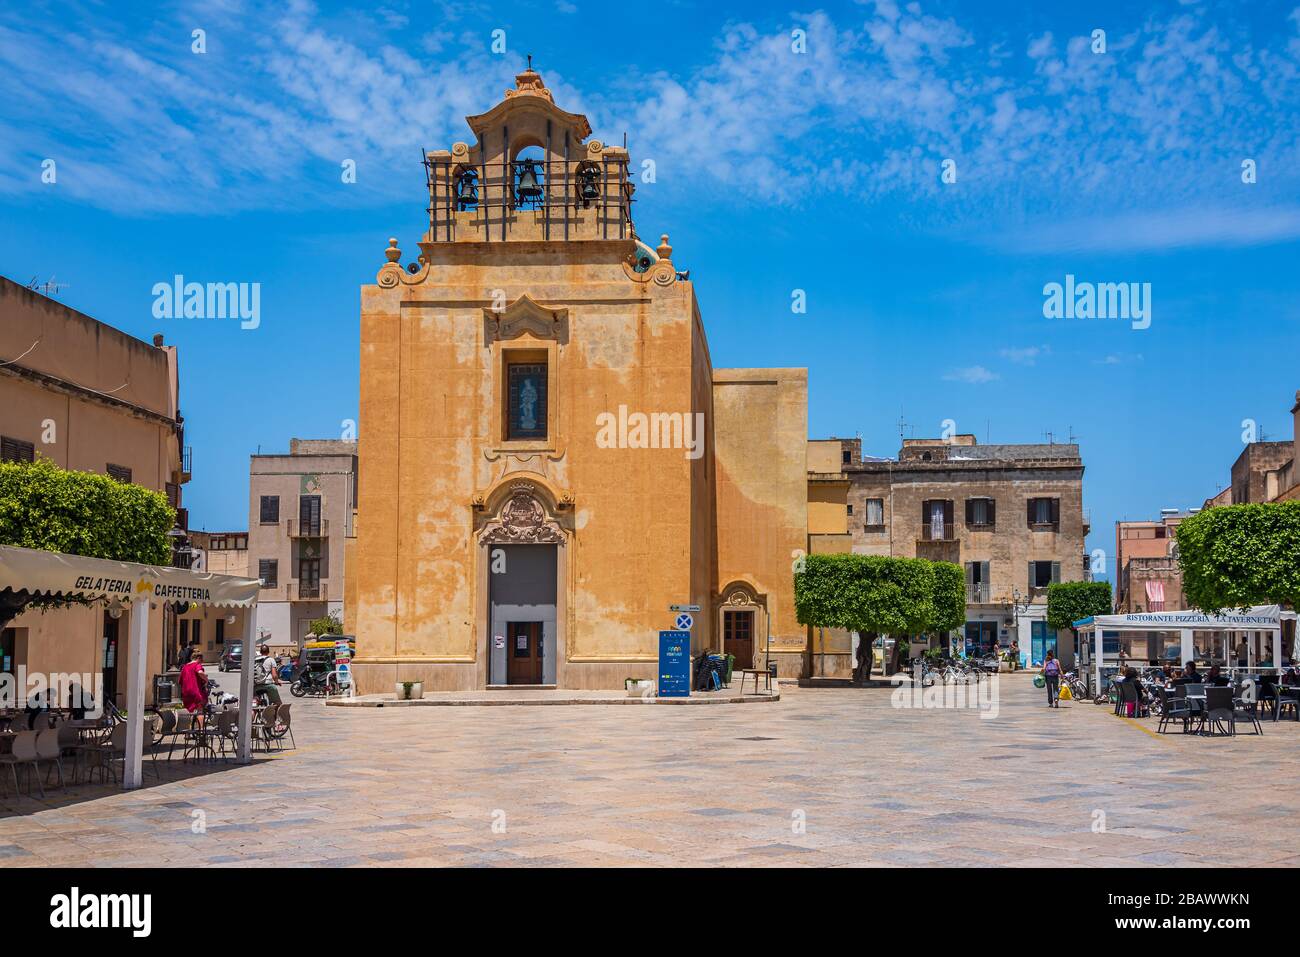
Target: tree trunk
[862,667]
[895,654]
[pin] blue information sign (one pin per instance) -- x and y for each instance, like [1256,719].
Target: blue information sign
[674,664]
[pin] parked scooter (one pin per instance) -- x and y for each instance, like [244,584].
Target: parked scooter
[314,683]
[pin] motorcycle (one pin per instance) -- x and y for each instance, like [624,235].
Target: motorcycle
[218,699]
[314,683]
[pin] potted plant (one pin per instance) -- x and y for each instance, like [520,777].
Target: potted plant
[409,690]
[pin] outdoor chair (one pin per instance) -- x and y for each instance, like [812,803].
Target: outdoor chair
[1173,708]
[104,753]
[264,726]
[286,722]
[69,739]
[1287,699]
[228,730]
[23,752]
[182,723]
[49,751]
[1222,712]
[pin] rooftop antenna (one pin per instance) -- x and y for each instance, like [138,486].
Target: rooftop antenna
[530,62]
[1049,436]
[1073,439]
[902,427]
[49,288]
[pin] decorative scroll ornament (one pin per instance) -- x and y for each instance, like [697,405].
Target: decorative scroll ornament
[522,521]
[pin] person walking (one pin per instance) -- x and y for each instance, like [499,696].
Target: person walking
[1052,675]
[1015,654]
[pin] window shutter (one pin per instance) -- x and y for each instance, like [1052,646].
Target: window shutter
[992,513]
[970,573]
[984,572]
[947,516]
[1056,571]
[970,511]
[925,513]
[1029,512]
[1031,575]
[1056,513]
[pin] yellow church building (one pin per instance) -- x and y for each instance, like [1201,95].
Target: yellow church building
[548,458]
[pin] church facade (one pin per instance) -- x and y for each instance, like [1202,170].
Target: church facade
[548,458]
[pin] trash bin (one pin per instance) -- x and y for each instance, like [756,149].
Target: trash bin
[162,689]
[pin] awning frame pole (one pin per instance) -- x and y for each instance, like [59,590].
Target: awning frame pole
[137,665]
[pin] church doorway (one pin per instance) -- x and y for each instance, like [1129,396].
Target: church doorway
[522,590]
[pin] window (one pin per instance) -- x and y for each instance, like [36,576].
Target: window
[221,631]
[16,450]
[268,571]
[1042,574]
[1043,512]
[526,402]
[270,510]
[980,512]
[309,515]
[936,520]
[977,582]
[846,457]
[119,473]
[850,508]
[875,513]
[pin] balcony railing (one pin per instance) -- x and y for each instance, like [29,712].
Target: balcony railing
[946,534]
[978,594]
[319,591]
[317,529]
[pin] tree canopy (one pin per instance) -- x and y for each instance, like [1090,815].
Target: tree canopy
[949,597]
[79,513]
[1068,602]
[879,594]
[1235,556]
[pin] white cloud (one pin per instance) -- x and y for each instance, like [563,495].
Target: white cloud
[1047,142]
[972,375]
[1025,356]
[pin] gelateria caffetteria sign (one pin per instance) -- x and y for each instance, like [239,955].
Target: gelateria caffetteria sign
[54,573]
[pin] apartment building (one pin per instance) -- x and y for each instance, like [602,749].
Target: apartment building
[300,517]
[1011,515]
[94,399]
[223,553]
[1147,576]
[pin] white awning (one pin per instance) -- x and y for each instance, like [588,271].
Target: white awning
[54,573]
[1258,618]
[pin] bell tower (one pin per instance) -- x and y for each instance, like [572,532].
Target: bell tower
[531,176]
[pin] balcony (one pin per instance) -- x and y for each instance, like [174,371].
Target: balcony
[978,594]
[931,534]
[310,591]
[300,529]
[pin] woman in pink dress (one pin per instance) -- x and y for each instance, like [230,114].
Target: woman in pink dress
[194,685]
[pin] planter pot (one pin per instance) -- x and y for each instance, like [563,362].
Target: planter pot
[641,688]
[417,691]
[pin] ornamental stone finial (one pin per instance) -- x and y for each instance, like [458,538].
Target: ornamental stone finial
[665,251]
[392,253]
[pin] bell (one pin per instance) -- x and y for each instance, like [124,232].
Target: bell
[467,189]
[589,190]
[528,190]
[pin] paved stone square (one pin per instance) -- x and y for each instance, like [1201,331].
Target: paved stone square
[824,777]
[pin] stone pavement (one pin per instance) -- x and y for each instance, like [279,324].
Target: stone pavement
[822,777]
[561,696]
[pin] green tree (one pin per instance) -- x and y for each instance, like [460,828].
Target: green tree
[327,625]
[949,598]
[1068,602]
[1235,556]
[869,594]
[79,513]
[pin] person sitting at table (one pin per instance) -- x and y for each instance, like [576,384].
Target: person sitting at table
[38,704]
[1215,679]
[1132,677]
[1190,675]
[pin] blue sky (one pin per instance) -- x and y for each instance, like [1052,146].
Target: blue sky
[776,170]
